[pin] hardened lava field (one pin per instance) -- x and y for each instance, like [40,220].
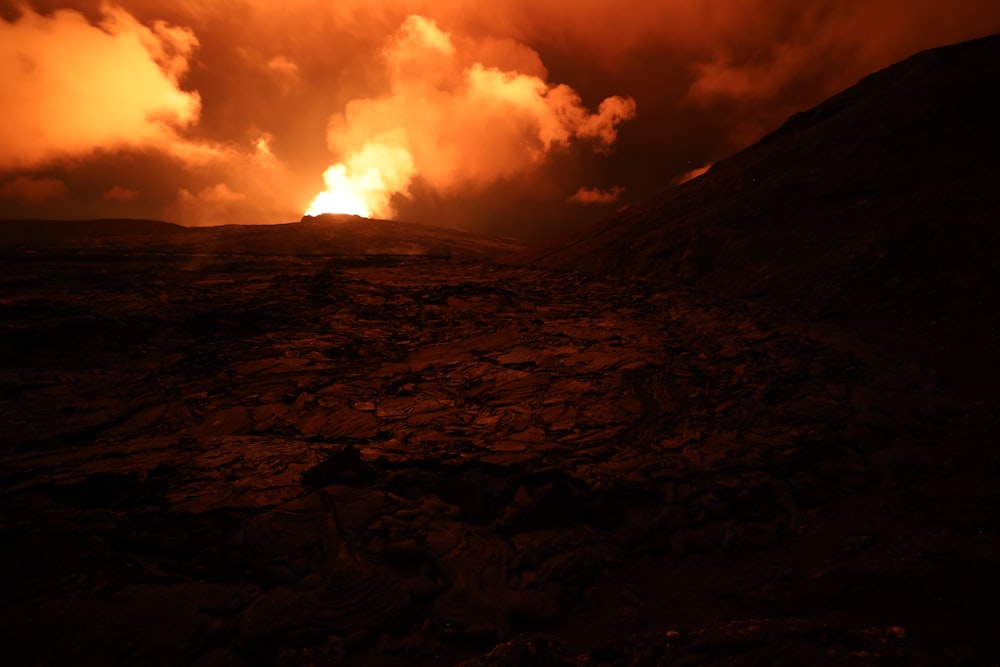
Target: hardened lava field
[224,460]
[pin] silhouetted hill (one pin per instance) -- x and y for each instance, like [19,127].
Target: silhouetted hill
[321,235]
[352,235]
[883,200]
[66,233]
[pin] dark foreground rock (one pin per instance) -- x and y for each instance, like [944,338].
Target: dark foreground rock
[315,461]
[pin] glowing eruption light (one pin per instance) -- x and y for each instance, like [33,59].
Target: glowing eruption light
[340,195]
[456,122]
[365,185]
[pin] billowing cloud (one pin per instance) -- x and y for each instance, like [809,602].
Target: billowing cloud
[85,86]
[453,121]
[587,196]
[31,191]
[492,112]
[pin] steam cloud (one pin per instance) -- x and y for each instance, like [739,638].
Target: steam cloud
[103,86]
[453,121]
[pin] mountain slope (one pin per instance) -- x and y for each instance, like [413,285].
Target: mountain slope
[883,199]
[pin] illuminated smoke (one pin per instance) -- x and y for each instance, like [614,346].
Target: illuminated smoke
[209,206]
[71,87]
[365,185]
[587,196]
[453,121]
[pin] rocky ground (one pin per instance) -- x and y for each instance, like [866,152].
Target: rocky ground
[225,460]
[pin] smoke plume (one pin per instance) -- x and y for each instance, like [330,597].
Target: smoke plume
[453,121]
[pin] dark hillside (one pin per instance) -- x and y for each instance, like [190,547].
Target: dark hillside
[883,199]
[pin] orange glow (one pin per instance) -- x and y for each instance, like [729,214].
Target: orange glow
[340,196]
[453,121]
[120,194]
[365,185]
[440,111]
[693,174]
[91,86]
[588,196]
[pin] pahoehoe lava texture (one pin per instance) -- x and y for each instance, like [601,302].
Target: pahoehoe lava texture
[305,459]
